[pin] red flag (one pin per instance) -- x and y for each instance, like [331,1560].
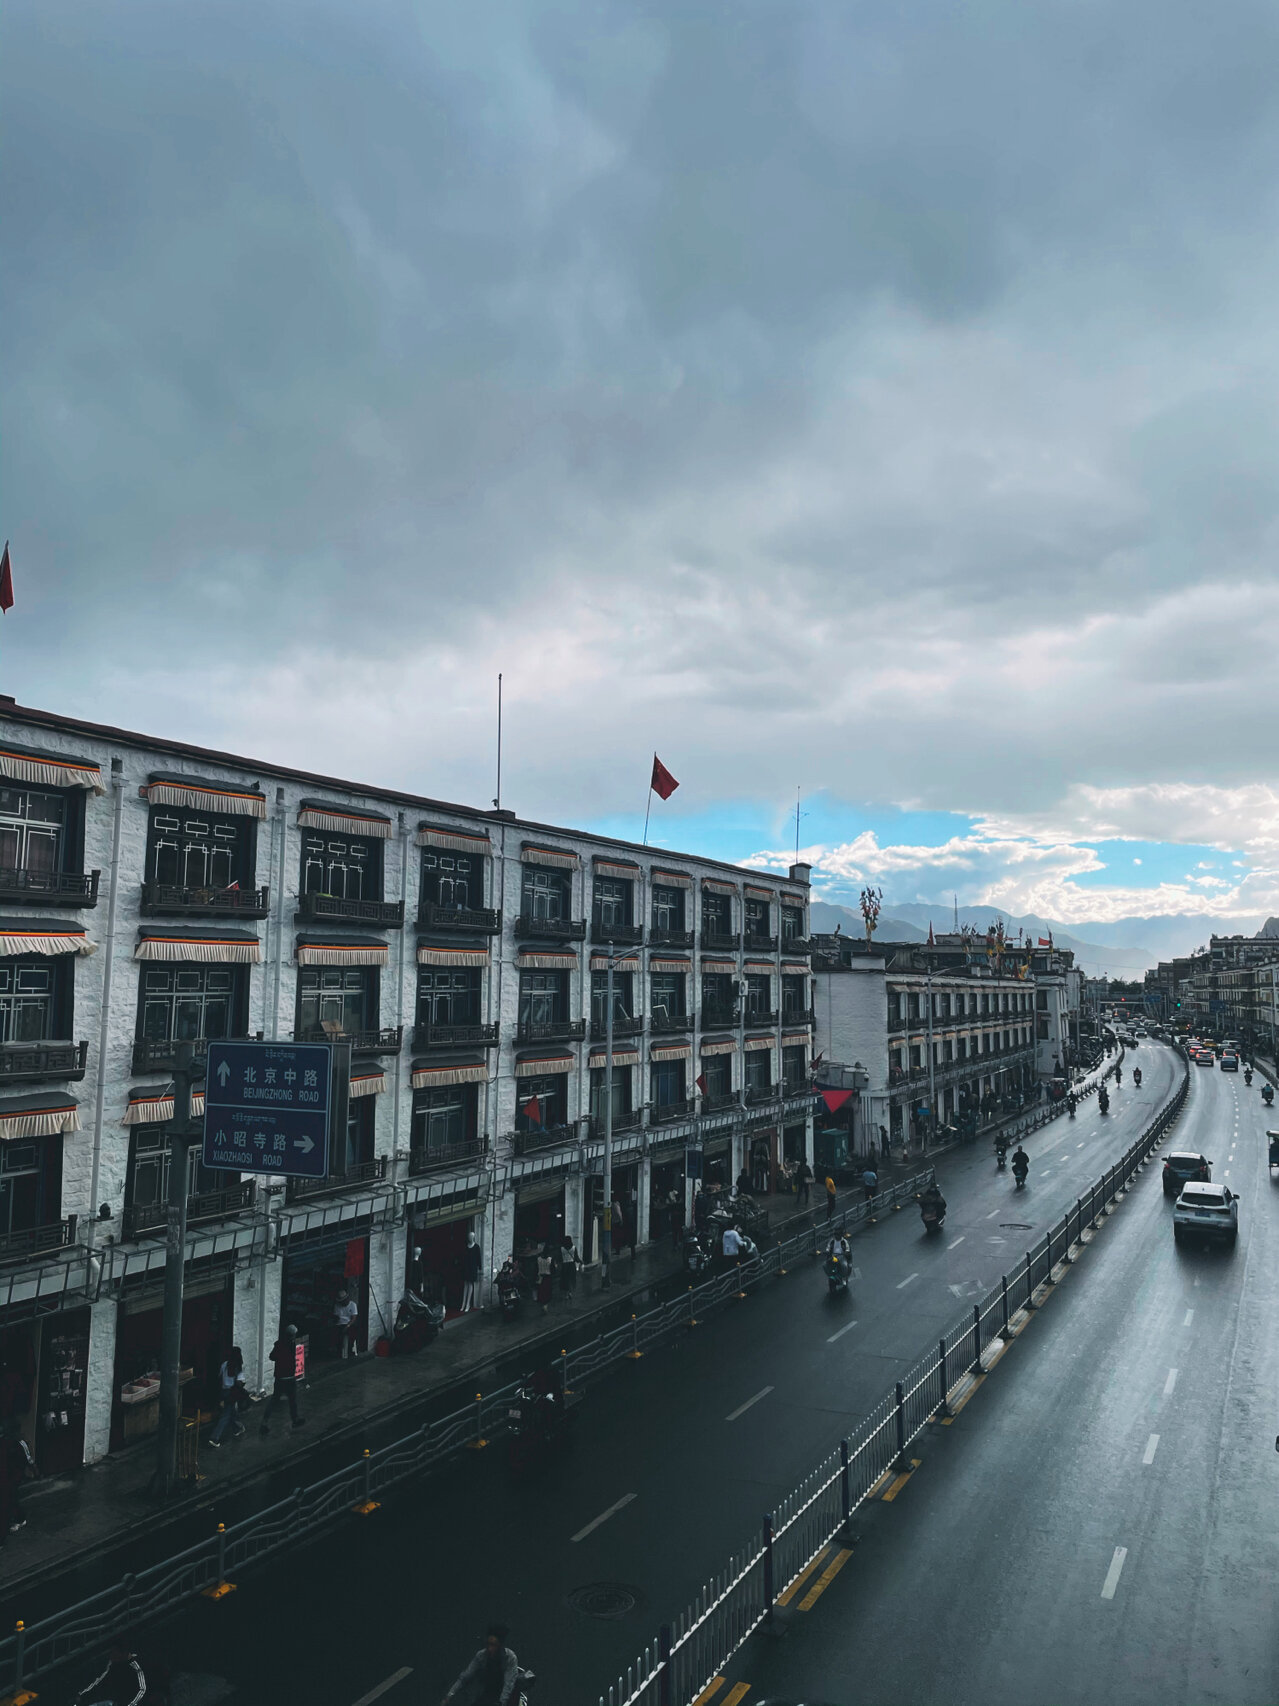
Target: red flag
[931,942]
[6,582]
[533,1110]
[835,1099]
[700,1081]
[231,886]
[1044,942]
[663,783]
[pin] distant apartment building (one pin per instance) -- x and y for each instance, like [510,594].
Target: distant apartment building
[154,893]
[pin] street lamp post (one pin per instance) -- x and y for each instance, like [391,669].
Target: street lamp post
[606,1236]
[180,1140]
[932,1072]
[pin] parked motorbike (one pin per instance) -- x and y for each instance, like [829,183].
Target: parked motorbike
[417,1323]
[698,1251]
[1267,1093]
[509,1291]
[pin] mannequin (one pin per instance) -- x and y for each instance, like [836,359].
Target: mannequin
[470,1273]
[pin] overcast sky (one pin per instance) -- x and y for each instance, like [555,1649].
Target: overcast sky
[874,399]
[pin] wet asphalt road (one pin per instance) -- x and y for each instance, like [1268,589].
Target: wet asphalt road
[1099,1524]
[679,1454]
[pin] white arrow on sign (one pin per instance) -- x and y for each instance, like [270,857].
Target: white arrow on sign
[305,1144]
[224,1072]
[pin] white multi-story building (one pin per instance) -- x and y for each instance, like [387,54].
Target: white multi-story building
[152,892]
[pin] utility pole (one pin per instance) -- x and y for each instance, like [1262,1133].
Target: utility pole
[932,1071]
[180,1139]
[606,1236]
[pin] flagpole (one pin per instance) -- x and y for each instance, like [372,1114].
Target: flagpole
[648,808]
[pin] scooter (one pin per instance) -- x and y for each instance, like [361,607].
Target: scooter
[509,1292]
[836,1270]
[698,1251]
[1001,1156]
[1267,1094]
[1247,1075]
[537,1423]
[1136,1077]
[1019,1173]
[932,1216]
[1070,1104]
[417,1323]
[1103,1101]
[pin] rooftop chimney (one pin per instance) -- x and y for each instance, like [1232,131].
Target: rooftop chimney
[801,874]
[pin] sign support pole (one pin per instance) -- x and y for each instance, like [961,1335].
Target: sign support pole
[174,1274]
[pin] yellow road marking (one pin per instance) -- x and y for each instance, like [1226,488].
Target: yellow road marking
[710,1691]
[901,1481]
[828,1576]
[788,1594]
[736,1693]
[887,1475]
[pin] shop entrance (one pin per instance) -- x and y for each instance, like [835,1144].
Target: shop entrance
[312,1280]
[437,1262]
[43,1378]
[539,1218]
[666,1200]
[206,1339]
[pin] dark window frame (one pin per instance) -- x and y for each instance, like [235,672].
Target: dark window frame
[314,841]
[236,835]
[151,975]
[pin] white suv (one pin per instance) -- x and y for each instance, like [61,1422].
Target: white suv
[1206,1211]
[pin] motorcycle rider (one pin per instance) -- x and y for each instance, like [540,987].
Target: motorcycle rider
[1136,1076]
[491,1677]
[1001,1149]
[1071,1103]
[1021,1162]
[838,1249]
[931,1200]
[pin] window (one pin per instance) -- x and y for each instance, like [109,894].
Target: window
[1041,1030]
[668,909]
[448,995]
[621,1094]
[357,1151]
[33,830]
[443,1118]
[30,1184]
[758,913]
[1041,1000]
[337,999]
[794,1069]
[717,914]
[28,986]
[759,992]
[186,1003]
[948,1052]
[668,1082]
[717,1074]
[913,1006]
[147,1185]
[546,894]
[793,991]
[717,998]
[759,1069]
[551,1093]
[792,924]
[347,867]
[612,904]
[543,997]
[667,996]
[623,999]
[196,850]
[452,880]
[916,1056]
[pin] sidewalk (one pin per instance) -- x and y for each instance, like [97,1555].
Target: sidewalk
[75,1523]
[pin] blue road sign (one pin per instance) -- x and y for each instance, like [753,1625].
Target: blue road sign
[266,1108]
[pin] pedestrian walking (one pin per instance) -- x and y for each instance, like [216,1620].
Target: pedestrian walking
[472,1262]
[803,1180]
[346,1319]
[675,1209]
[830,1197]
[16,1465]
[884,1144]
[619,1226]
[870,1182]
[545,1276]
[570,1261]
[284,1361]
[230,1392]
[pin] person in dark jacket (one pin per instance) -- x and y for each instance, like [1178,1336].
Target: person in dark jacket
[122,1683]
[284,1361]
[492,1676]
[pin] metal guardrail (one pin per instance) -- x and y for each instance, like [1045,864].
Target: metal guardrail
[689,1652]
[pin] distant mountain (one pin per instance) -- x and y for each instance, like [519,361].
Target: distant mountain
[1269,928]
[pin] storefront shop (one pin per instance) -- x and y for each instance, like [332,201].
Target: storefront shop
[44,1369]
[206,1339]
[313,1276]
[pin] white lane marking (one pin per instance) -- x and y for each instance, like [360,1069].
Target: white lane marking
[1170,1382]
[958,1240]
[1045,1173]
[604,1515]
[1112,1574]
[1196,1279]
[1079,1146]
[1152,1446]
[1190,1315]
[993,1213]
[841,1332]
[857,1273]
[382,1687]
[742,1408]
[902,1284]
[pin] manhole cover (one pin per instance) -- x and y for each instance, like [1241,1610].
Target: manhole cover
[1016,1226]
[605,1599]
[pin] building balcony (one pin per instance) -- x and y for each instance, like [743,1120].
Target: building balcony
[31,1241]
[542,1137]
[25,1063]
[719,1018]
[720,942]
[758,1017]
[753,944]
[551,929]
[355,1178]
[143,1220]
[461,920]
[624,935]
[629,1121]
[455,1036]
[757,1094]
[386,1040]
[178,900]
[664,1113]
[551,1031]
[797,945]
[447,1155]
[798,1017]
[60,888]
[717,1100]
[621,1028]
[660,938]
[331,909]
[664,1022]
[160,1054]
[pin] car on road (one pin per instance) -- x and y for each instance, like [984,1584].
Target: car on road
[1182,1167]
[1210,1212]
[1202,1057]
[1230,1063]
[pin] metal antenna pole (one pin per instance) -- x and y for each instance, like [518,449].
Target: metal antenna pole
[497,803]
[174,1263]
[606,1238]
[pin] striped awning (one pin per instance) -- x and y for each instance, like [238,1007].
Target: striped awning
[719,1045]
[539,1065]
[152,1104]
[760,894]
[670,1051]
[719,967]
[760,967]
[430,1075]
[670,965]
[367,1079]
[599,962]
[617,868]
[800,1041]
[343,820]
[795,968]
[49,769]
[428,956]
[456,840]
[225,799]
[221,947]
[43,936]
[760,1042]
[546,962]
[38,1116]
[354,951]
[621,1057]
[800,900]
[560,857]
[717,887]
[672,879]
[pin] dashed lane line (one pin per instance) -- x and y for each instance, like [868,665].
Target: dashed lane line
[384,1687]
[1113,1573]
[841,1332]
[1190,1315]
[902,1284]
[957,1242]
[1152,1446]
[742,1408]
[1170,1382]
[604,1516]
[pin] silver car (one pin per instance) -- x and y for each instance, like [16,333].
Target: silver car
[1206,1211]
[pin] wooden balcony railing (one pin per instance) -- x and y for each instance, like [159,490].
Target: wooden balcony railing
[63,888]
[551,1030]
[446,1155]
[332,909]
[355,1178]
[142,1219]
[178,900]
[455,1036]
[24,1063]
[465,920]
[22,1245]
[551,929]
